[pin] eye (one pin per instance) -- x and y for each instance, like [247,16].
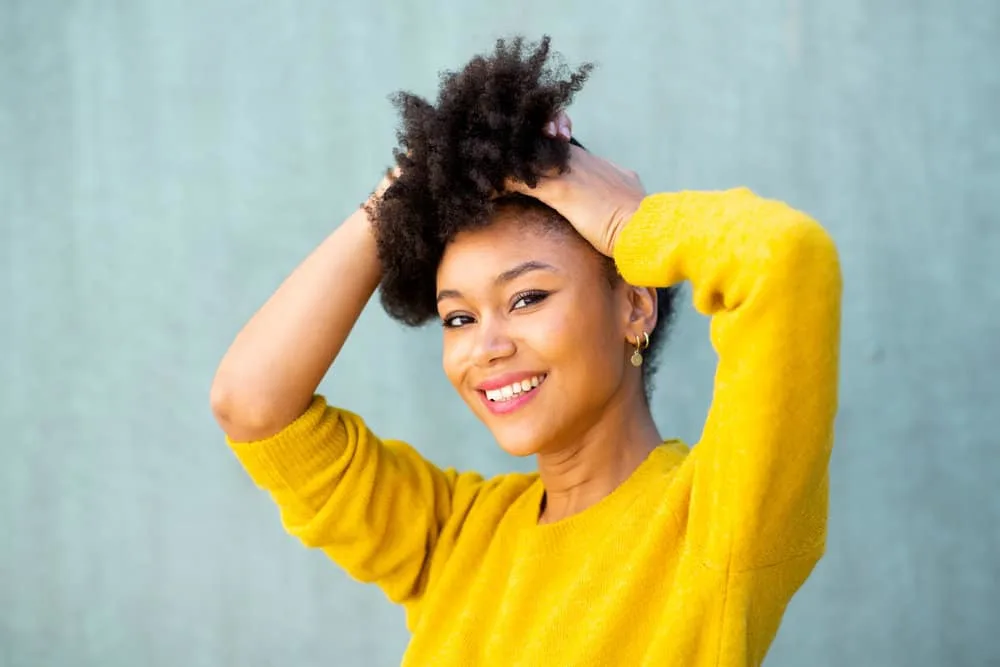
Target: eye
[455,320]
[525,299]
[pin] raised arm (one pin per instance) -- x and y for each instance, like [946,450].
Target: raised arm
[377,508]
[271,371]
[769,277]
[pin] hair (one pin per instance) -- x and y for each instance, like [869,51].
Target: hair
[456,156]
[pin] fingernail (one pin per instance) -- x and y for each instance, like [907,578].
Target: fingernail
[564,131]
[550,129]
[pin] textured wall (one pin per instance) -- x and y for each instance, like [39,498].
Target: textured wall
[163,165]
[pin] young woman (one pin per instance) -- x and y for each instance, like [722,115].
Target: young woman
[542,263]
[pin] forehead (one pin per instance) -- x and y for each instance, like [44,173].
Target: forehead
[507,241]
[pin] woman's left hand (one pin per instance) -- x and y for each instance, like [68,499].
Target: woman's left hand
[595,195]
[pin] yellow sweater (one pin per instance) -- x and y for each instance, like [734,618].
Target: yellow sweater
[692,560]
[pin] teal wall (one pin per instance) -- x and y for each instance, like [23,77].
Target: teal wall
[163,165]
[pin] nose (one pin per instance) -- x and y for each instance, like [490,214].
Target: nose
[493,343]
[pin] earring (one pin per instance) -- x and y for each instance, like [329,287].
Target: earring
[636,357]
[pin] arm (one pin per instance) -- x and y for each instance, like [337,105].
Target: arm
[377,508]
[770,278]
[271,371]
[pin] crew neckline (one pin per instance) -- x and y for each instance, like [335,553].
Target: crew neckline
[605,510]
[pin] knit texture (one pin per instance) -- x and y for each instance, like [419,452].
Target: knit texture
[692,560]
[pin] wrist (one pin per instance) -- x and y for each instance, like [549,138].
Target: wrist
[625,215]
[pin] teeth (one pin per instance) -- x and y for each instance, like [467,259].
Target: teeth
[514,389]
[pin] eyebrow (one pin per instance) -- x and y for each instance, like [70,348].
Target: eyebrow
[505,277]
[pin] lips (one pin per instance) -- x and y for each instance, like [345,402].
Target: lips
[510,392]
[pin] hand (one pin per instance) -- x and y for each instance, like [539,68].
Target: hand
[370,205]
[595,195]
[390,176]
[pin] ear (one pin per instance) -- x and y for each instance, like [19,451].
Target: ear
[642,311]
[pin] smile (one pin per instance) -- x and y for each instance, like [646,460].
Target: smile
[510,397]
[509,391]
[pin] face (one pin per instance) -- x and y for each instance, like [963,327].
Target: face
[534,332]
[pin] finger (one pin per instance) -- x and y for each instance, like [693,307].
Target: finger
[560,127]
[564,126]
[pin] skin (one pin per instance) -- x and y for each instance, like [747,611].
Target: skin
[588,423]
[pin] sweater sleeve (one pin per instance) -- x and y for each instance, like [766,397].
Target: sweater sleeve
[769,277]
[377,508]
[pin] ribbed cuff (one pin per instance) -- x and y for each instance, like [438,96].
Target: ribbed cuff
[640,246]
[294,452]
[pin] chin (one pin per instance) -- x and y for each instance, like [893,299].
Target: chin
[519,447]
[522,431]
[521,440]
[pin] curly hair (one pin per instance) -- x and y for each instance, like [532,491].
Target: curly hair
[455,156]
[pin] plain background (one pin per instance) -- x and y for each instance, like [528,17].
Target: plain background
[163,165]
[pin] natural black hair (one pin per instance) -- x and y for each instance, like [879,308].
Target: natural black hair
[455,156]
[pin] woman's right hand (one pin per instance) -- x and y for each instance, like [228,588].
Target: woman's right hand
[388,179]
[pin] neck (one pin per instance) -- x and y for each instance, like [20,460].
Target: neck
[580,474]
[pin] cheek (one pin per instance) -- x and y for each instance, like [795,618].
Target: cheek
[551,336]
[579,336]
[600,346]
[452,358]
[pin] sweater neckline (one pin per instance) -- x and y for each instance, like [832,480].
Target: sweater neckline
[602,513]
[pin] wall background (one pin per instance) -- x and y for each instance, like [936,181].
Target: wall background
[164,165]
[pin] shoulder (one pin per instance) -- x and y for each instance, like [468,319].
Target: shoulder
[667,457]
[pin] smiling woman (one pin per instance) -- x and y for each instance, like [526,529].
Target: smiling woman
[552,274]
[528,300]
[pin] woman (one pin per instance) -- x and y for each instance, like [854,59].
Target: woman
[541,261]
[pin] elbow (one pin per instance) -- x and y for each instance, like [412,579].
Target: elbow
[812,264]
[220,400]
[807,245]
[819,239]
[225,408]
[802,261]
[821,253]
[794,237]
[241,418]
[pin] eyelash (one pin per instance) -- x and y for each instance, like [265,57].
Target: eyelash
[533,296]
[530,297]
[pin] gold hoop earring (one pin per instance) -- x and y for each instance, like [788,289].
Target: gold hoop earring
[636,358]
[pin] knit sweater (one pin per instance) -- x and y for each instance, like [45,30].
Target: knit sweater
[692,560]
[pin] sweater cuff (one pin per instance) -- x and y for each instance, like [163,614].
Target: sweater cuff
[636,256]
[291,454]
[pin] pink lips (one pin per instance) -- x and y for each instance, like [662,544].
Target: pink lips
[515,402]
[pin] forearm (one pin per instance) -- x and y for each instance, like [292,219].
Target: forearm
[722,241]
[269,374]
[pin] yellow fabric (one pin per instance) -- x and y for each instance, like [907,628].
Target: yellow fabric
[692,560]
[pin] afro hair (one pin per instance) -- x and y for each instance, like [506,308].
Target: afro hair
[453,157]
